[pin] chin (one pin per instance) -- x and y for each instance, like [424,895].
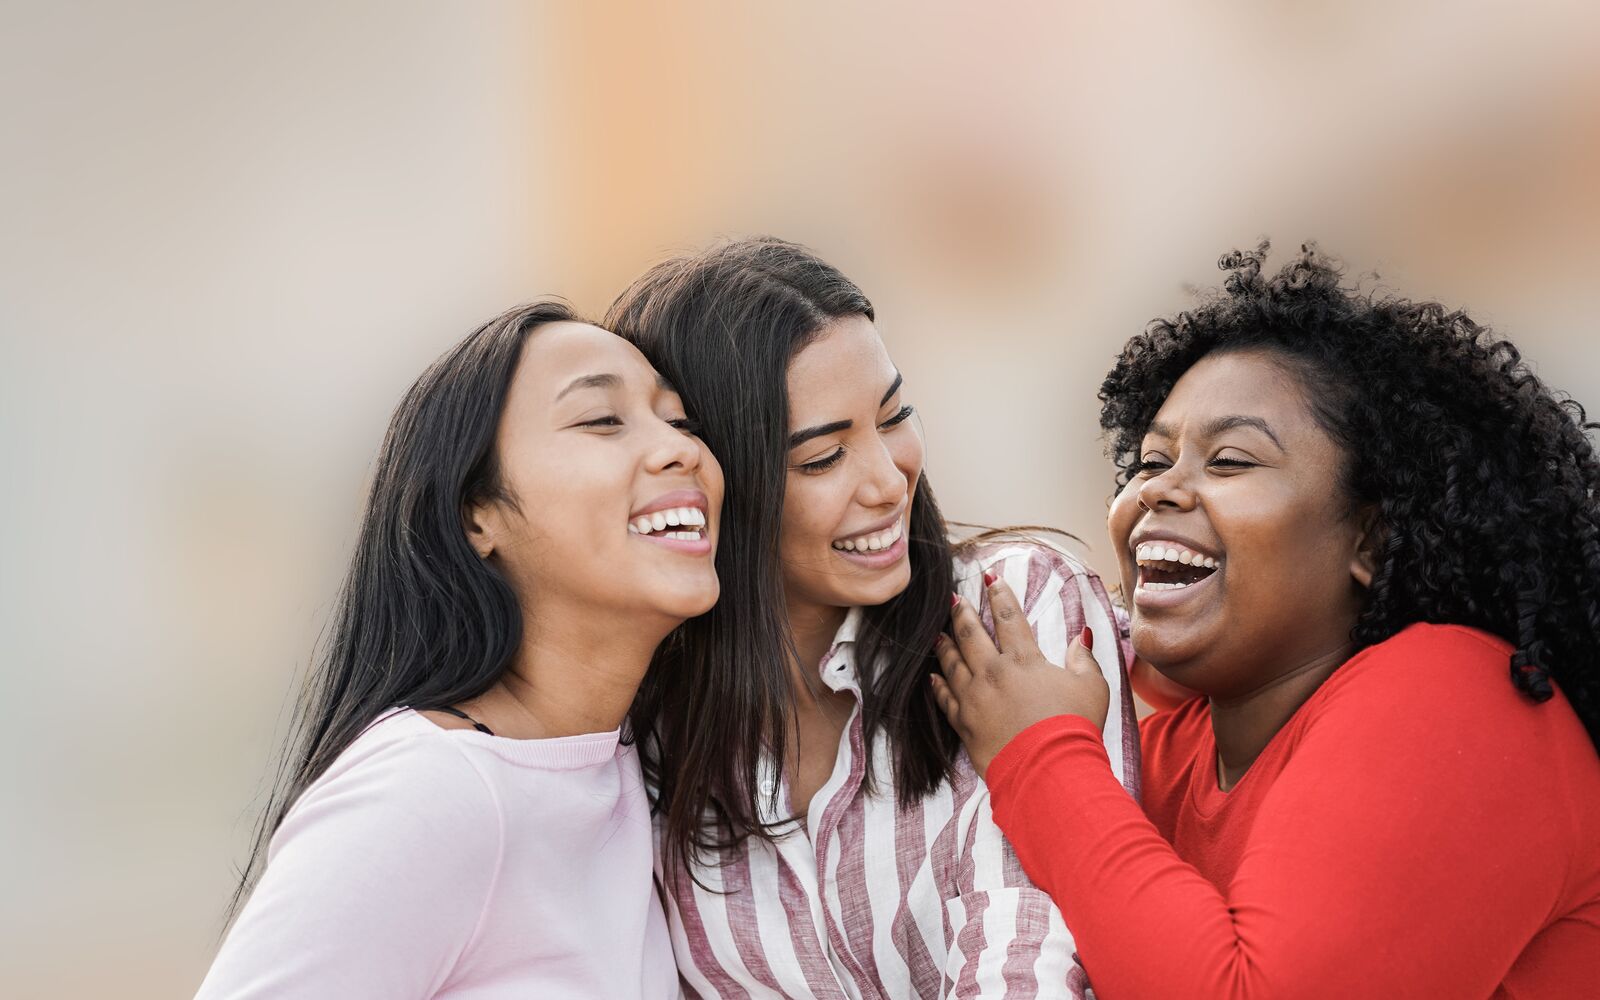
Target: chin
[878,591]
[1174,652]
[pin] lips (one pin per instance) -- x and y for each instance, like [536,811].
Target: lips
[876,546]
[1169,568]
[676,520]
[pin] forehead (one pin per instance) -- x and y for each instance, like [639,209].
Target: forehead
[1239,383]
[845,364]
[557,353]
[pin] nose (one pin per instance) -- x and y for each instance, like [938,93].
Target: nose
[672,449]
[884,483]
[1170,490]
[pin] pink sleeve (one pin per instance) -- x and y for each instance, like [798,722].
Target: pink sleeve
[375,881]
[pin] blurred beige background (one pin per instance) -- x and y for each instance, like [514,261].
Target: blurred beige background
[231,234]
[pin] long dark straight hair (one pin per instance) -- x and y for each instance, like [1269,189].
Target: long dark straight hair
[421,620]
[723,326]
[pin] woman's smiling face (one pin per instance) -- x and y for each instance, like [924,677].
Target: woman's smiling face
[612,501]
[1241,556]
[854,461]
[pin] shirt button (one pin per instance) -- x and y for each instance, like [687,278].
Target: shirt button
[768,786]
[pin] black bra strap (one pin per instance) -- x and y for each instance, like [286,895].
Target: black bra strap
[458,713]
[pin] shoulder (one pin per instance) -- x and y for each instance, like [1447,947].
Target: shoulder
[1431,659]
[1030,565]
[1444,685]
[402,769]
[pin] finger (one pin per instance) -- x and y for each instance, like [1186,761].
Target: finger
[1080,653]
[970,636]
[1010,622]
[951,661]
[943,697]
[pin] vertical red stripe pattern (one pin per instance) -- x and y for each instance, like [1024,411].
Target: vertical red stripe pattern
[926,901]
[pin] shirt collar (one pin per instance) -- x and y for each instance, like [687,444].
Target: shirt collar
[839,666]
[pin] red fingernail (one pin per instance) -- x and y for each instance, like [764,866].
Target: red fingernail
[939,641]
[1087,638]
[954,600]
[989,578]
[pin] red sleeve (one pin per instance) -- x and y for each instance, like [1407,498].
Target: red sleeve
[1411,847]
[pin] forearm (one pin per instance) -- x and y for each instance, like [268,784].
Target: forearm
[1334,896]
[1145,923]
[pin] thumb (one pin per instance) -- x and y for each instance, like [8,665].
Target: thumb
[1080,654]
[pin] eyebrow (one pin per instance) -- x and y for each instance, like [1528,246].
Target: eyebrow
[799,438]
[894,387]
[1217,426]
[608,381]
[602,381]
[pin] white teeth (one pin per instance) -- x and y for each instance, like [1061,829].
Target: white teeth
[1148,552]
[1162,586]
[871,543]
[687,517]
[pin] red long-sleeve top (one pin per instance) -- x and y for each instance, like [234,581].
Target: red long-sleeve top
[1417,829]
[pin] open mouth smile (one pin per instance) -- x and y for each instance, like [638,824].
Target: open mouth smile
[1169,571]
[875,549]
[676,521]
[687,523]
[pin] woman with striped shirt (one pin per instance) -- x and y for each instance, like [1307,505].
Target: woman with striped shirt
[821,832]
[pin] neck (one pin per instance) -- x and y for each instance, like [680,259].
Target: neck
[812,626]
[577,671]
[1244,725]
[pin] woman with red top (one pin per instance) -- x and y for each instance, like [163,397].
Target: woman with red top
[1343,522]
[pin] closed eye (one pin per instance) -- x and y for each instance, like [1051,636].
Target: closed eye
[824,463]
[688,425]
[898,418]
[1143,466]
[607,421]
[1232,463]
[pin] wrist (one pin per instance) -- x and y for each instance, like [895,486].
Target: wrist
[1005,764]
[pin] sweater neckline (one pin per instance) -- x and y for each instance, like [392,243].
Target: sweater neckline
[557,753]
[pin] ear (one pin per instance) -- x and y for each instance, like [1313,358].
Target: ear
[482,523]
[1364,561]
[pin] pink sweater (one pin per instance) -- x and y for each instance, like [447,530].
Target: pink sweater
[435,863]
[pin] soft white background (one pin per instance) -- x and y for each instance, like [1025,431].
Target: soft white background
[231,234]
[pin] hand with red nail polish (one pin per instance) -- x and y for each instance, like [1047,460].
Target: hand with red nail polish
[993,689]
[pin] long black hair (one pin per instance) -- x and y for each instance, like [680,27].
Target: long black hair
[723,326]
[421,620]
[1485,483]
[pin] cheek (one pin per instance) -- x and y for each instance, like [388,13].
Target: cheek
[1121,519]
[812,509]
[581,507]
[1280,543]
[1123,515]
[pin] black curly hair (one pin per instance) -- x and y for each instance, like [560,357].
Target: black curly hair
[1484,481]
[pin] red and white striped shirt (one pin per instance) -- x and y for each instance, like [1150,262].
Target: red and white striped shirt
[873,901]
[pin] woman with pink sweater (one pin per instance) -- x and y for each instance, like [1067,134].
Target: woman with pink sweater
[462,812]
